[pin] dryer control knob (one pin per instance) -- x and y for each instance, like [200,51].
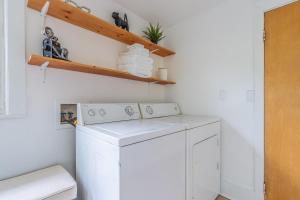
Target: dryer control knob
[149,110]
[129,111]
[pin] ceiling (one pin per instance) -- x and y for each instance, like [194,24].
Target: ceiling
[167,12]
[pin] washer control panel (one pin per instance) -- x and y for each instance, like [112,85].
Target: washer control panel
[103,113]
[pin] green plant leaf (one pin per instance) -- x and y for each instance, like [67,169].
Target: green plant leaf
[154,33]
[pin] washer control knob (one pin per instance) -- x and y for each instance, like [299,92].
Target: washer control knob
[91,113]
[102,112]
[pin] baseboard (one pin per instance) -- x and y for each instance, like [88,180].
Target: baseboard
[237,192]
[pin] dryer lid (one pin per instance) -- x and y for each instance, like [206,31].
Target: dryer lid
[190,121]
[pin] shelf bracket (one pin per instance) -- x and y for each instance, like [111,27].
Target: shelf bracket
[152,83]
[44,12]
[44,67]
[154,50]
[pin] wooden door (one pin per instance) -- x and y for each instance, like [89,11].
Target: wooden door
[282,103]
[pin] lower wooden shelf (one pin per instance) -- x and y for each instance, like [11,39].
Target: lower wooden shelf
[78,67]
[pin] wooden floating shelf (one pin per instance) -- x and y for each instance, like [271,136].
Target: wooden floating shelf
[75,16]
[78,67]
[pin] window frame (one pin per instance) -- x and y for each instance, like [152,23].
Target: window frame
[2,59]
[13,69]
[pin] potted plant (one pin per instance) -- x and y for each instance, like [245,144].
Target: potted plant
[154,33]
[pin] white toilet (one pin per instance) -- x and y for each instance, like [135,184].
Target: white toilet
[53,183]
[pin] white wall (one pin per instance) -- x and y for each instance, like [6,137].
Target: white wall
[33,142]
[214,70]
[2,63]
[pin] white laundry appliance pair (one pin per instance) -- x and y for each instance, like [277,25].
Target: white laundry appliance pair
[165,156]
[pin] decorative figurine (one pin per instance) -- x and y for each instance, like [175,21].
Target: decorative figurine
[51,46]
[123,23]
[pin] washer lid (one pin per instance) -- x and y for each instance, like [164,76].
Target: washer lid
[128,132]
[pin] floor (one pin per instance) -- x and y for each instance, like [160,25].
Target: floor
[222,198]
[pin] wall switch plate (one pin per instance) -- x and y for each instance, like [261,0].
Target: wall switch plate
[222,95]
[250,96]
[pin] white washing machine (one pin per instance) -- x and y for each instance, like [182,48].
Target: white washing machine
[202,148]
[121,157]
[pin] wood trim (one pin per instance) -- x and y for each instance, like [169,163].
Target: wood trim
[91,69]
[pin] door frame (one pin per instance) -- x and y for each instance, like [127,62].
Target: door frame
[261,7]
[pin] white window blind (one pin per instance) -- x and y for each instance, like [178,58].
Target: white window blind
[2,60]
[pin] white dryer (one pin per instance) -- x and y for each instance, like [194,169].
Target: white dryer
[121,157]
[202,148]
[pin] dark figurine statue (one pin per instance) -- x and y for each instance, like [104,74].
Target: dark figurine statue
[123,23]
[51,46]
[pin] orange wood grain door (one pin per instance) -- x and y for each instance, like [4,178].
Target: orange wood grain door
[282,103]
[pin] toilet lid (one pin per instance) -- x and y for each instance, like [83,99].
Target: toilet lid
[43,184]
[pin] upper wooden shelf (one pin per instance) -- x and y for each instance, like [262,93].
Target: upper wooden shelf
[78,67]
[70,14]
